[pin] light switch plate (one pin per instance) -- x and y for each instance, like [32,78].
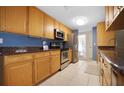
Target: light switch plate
[1,40]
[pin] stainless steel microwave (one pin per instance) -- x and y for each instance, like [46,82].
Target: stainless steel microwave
[58,34]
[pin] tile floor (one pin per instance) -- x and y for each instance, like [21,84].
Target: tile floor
[73,75]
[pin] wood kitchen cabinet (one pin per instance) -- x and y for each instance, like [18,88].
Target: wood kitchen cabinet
[104,38]
[2,18]
[107,72]
[35,22]
[113,17]
[70,55]
[56,24]
[41,66]
[55,61]
[65,30]
[48,27]
[16,19]
[18,70]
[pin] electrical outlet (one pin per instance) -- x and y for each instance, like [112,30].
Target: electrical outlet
[1,40]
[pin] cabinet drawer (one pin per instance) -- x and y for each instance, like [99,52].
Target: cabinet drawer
[17,58]
[55,52]
[41,54]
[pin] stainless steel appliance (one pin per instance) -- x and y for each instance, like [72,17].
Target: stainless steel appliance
[58,34]
[64,58]
[73,43]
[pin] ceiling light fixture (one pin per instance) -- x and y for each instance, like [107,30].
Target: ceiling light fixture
[80,20]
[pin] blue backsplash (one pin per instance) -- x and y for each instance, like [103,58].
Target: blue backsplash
[15,40]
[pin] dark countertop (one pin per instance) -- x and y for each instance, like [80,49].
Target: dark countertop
[6,51]
[114,58]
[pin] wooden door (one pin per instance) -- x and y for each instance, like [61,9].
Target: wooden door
[2,18]
[35,22]
[18,73]
[55,63]
[42,68]
[48,27]
[16,19]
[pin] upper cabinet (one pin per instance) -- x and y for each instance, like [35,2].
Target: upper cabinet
[48,27]
[56,24]
[16,19]
[35,22]
[104,38]
[114,16]
[2,18]
[64,29]
[29,21]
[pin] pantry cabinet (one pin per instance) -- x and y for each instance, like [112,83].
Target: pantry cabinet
[16,19]
[18,70]
[35,22]
[104,38]
[55,61]
[48,27]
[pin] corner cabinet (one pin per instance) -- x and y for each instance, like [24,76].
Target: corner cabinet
[18,70]
[16,19]
[35,22]
[48,27]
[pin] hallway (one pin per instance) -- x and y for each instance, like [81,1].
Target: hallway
[74,75]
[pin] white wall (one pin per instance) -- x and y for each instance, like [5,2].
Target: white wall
[88,43]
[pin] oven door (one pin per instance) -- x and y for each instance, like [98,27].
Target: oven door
[64,56]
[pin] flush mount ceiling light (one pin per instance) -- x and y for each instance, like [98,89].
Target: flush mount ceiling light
[80,20]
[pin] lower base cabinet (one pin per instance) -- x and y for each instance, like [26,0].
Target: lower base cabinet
[55,63]
[41,68]
[30,69]
[18,74]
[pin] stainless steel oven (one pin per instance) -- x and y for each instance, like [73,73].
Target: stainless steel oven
[64,58]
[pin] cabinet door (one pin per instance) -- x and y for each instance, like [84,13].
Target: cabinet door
[48,27]
[106,17]
[116,11]
[104,38]
[70,55]
[35,22]
[2,18]
[55,63]
[42,68]
[111,14]
[18,74]
[56,24]
[16,19]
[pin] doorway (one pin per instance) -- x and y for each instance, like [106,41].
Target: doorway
[82,46]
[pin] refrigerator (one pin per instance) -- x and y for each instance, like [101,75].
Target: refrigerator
[120,43]
[73,43]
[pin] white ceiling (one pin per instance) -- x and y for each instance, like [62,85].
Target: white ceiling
[65,14]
